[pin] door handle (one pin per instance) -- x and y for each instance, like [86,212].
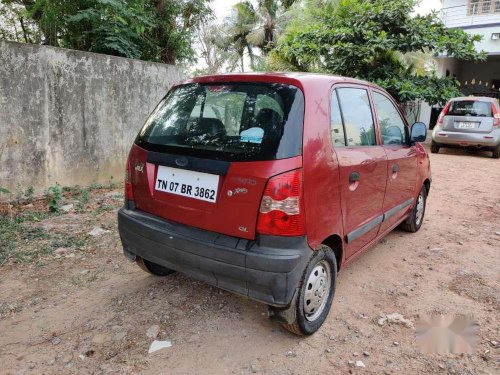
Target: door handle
[395,168]
[354,176]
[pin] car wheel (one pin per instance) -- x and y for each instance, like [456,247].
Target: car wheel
[434,147]
[496,152]
[416,218]
[316,293]
[153,268]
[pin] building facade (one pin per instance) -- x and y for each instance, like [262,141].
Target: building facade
[474,17]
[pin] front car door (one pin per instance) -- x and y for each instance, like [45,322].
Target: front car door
[401,160]
[362,165]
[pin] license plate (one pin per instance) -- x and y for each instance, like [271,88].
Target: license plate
[197,185]
[465,125]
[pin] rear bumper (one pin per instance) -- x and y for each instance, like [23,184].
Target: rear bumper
[486,140]
[268,270]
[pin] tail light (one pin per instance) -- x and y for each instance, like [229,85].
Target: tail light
[443,113]
[496,115]
[281,211]
[129,194]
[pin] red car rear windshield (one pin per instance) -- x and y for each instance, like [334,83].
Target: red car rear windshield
[470,108]
[230,121]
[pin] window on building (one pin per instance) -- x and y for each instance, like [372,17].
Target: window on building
[483,7]
[473,6]
[486,6]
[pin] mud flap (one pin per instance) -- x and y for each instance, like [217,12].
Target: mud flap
[285,315]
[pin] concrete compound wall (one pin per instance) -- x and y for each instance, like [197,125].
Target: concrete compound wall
[70,117]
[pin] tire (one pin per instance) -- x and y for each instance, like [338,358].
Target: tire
[416,218]
[153,268]
[434,147]
[306,323]
[496,152]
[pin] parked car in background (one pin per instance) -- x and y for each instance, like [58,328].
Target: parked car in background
[266,185]
[469,122]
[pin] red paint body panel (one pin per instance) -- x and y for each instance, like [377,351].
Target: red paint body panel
[332,205]
[362,201]
[229,215]
[401,184]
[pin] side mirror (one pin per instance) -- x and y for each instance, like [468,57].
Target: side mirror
[418,132]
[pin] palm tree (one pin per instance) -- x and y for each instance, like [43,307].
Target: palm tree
[240,25]
[259,27]
[272,17]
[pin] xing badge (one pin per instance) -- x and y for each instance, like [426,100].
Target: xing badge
[139,167]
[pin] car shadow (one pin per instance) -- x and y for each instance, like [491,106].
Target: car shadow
[464,151]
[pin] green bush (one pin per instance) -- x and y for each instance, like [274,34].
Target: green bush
[29,194]
[54,198]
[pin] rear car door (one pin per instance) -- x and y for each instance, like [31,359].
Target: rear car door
[362,165]
[401,159]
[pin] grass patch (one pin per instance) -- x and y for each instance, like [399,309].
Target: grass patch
[75,242]
[12,232]
[95,186]
[102,209]
[9,308]
[82,200]
[87,278]
[34,233]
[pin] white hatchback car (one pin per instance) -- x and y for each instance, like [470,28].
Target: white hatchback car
[469,122]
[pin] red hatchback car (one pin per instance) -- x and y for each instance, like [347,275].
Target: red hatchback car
[267,184]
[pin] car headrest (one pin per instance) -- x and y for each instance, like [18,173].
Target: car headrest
[269,120]
[211,126]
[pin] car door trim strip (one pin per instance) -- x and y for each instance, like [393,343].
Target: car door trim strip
[397,208]
[365,228]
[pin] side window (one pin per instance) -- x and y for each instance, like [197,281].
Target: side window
[336,125]
[392,126]
[358,120]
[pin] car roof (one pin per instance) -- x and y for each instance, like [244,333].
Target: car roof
[300,78]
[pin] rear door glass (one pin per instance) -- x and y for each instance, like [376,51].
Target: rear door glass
[234,122]
[357,115]
[473,108]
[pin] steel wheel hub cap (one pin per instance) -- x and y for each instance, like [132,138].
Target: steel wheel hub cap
[317,290]
[420,209]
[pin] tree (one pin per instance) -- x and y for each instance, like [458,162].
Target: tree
[240,25]
[371,40]
[213,51]
[110,27]
[17,25]
[271,17]
[155,30]
[176,24]
[259,26]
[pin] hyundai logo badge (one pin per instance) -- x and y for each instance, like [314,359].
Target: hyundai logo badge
[181,162]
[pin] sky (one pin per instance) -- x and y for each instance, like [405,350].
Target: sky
[222,8]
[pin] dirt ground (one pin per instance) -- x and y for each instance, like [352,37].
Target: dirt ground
[71,303]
